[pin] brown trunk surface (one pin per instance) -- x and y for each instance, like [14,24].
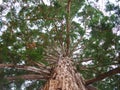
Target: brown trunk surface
[65,77]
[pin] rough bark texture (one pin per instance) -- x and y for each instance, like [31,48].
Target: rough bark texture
[65,77]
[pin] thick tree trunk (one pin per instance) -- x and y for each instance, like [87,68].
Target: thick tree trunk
[65,77]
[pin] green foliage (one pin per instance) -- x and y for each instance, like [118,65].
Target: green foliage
[37,29]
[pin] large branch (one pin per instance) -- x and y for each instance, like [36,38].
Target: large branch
[104,75]
[27,68]
[27,77]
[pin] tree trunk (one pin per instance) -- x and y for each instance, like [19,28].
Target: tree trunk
[65,77]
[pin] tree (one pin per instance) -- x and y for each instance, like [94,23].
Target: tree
[42,42]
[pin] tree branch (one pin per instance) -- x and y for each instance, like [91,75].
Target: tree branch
[27,77]
[104,75]
[27,68]
[86,60]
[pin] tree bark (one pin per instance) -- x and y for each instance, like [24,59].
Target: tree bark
[65,77]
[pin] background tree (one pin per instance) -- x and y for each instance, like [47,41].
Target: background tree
[34,35]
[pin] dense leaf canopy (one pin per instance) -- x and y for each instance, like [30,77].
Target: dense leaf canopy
[34,33]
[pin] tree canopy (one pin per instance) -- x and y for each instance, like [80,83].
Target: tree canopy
[34,33]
